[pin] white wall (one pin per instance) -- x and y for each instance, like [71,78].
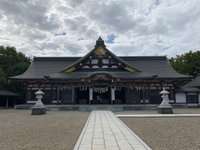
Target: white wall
[180,98]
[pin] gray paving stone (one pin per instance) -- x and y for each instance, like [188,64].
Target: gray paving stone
[112,148]
[104,131]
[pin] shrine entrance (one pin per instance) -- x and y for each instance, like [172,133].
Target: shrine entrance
[101,96]
[100,89]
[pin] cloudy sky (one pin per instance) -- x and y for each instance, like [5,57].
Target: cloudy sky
[129,27]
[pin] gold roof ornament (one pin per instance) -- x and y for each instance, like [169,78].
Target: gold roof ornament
[100,51]
[130,69]
[71,69]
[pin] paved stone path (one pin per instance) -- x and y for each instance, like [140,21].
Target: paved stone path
[104,131]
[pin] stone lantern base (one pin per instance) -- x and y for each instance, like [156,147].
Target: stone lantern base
[38,109]
[165,110]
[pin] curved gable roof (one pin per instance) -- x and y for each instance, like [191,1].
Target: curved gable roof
[154,65]
[45,66]
[100,49]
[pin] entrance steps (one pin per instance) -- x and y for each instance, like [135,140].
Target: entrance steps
[101,107]
[113,107]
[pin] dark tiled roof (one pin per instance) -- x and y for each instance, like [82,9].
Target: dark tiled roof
[158,65]
[45,66]
[194,83]
[78,75]
[7,93]
[188,89]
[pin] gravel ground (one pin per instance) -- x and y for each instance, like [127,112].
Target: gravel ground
[175,110]
[167,133]
[58,130]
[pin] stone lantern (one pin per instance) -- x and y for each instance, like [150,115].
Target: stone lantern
[165,107]
[39,108]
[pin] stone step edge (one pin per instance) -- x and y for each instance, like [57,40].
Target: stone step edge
[78,143]
[157,115]
[133,133]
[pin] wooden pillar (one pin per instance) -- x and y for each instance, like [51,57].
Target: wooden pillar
[128,95]
[27,94]
[157,94]
[174,93]
[143,92]
[124,100]
[14,101]
[73,97]
[51,99]
[39,85]
[58,94]
[7,102]
[90,102]
[149,91]
[161,85]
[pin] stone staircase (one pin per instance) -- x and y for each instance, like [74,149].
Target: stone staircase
[120,107]
[101,107]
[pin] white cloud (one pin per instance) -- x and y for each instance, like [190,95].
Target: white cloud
[70,28]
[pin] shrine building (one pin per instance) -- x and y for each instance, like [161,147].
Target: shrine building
[100,77]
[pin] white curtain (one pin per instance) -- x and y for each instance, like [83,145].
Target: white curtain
[112,94]
[91,94]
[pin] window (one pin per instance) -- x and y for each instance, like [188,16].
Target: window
[105,61]
[192,98]
[94,61]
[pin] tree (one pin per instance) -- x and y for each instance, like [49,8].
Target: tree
[12,63]
[2,78]
[188,63]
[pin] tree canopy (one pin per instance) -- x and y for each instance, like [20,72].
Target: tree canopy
[188,63]
[12,63]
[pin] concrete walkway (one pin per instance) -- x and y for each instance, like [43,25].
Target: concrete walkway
[157,115]
[104,131]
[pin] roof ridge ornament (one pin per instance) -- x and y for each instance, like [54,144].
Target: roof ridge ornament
[100,42]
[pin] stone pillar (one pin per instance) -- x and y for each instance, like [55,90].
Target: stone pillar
[165,107]
[39,108]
